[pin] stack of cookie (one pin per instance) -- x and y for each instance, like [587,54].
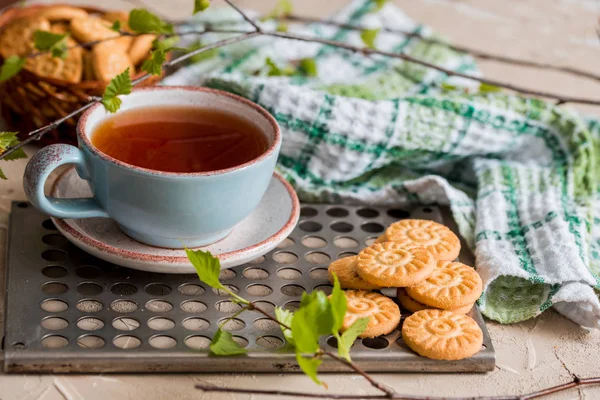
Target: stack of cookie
[99,62]
[415,256]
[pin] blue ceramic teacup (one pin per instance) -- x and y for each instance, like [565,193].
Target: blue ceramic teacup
[162,209]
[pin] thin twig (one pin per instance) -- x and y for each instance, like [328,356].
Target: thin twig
[243,14]
[474,52]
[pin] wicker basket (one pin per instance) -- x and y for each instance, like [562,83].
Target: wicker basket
[28,101]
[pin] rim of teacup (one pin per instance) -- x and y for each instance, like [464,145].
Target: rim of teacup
[85,138]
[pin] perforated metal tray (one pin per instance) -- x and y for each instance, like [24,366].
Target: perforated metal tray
[67,311]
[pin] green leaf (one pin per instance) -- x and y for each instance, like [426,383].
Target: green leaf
[274,70]
[201,56]
[484,87]
[308,67]
[338,305]
[447,87]
[368,37]
[201,5]
[282,9]
[223,344]
[165,44]
[312,319]
[282,27]
[119,85]
[2,176]
[285,317]
[116,26]
[143,21]
[309,366]
[153,65]
[9,139]
[345,341]
[44,40]
[207,266]
[378,5]
[12,65]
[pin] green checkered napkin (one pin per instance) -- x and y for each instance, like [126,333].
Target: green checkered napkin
[518,174]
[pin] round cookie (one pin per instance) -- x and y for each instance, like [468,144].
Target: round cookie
[451,285]
[16,38]
[62,13]
[140,48]
[70,69]
[412,305]
[90,29]
[437,238]
[345,269]
[391,264]
[383,313]
[381,239]
[108,63]
[442,335]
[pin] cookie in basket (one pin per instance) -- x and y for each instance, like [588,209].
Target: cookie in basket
[391,264]
[345,269]
[16,38]
[62,13]
[140,47]
[435,237]
[68,69]
[442,335]
[383,313]
[108,61]
[90,29]
[451,285]
[413,305]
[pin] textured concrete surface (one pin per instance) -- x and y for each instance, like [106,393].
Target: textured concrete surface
[531,355]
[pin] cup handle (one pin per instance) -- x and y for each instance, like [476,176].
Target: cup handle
[37,171]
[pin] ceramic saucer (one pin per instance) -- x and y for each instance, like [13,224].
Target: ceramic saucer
[267,226]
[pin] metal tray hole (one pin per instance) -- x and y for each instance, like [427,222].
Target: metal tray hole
[258,260]
[332,341]
[118,272]
[317,258]
[192,306]
[90,324]
[377,343]
[22,205]
[258,290]
[291,305]
[158,289]
[89,289]
[55,271]
[308,212]
[126,342]
[324,288]
[266,306]
[197,342]
[195,324]
[55,239]
[19,346]
[255,274]
[266,325]
[54,255]
[90,342]
[427,210]
[162,342]
[232,324]
[285,257]
[54,288]
[310,226]
[160,324]
[188,289]
[289,274]
[269,342]
[292,290]
[54,323]
[159,306]
[398,214]
[342,227]
[389,292]
[88,272]
[314,242]
[319,273]
[369,241]
[54,305]
[89,306]
[287,242]
[347,254]
[226,274]
[345,242]
[222,293]
[367,213]
[48,224]
[54,342]
[337,212]
[241,341]
[125,324]
[123,289]
[124,306]
[225,306]
[372,227]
